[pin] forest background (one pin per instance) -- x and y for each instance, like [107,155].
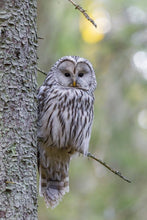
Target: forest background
[118,52]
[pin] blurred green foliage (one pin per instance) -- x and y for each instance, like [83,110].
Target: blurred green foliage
[119,134]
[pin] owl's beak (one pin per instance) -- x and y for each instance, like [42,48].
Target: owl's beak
[74,83]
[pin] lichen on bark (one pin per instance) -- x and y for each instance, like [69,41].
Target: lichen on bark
[18,110]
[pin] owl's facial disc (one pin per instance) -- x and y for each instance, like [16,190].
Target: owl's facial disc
[77,75]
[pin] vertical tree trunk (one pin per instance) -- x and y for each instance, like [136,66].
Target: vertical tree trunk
[18,43]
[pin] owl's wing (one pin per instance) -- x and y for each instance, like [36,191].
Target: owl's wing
[42,92]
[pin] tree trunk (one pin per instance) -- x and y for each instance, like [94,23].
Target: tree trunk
[18,112]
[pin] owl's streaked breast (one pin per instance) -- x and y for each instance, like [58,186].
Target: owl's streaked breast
[67,119]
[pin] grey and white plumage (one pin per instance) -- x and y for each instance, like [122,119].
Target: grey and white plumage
[65,115]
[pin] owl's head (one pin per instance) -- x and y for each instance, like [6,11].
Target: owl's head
[74,71]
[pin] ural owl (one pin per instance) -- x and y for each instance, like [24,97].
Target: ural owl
[65,115]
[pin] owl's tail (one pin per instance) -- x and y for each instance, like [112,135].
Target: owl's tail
[53,172]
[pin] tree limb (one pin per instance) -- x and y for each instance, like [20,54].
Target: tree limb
[83,12]
[108,167]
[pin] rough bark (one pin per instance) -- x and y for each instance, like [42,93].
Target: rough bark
[18,43]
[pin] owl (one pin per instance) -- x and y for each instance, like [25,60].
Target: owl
[65,115]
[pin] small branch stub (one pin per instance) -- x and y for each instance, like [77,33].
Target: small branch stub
[83,12]
[41,71]
[108,167]
[40,38]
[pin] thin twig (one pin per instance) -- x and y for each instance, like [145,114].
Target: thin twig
[83,12]
[108,167]
[41,71]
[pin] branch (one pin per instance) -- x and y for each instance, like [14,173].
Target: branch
[108,167]
[83,12]
[41,71]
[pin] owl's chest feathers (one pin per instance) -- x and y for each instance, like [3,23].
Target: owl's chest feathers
[67,119]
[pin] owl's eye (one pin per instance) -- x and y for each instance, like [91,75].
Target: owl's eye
[81,74]
[67,74]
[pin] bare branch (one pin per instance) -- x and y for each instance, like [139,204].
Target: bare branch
[83,12]
[108,167]
[41,71]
